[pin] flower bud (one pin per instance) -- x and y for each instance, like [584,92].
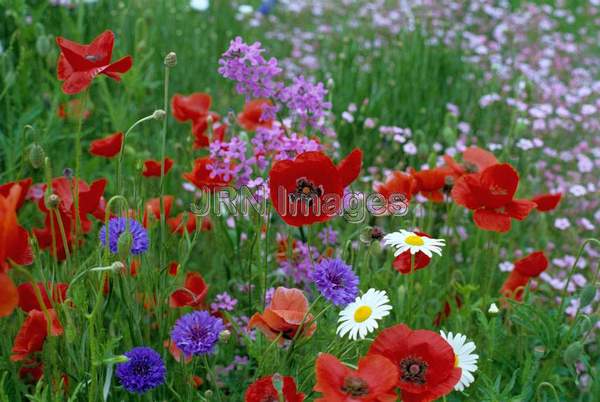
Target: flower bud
[159,114]
[52,201]
[68,172]
[375,248]
[573,353]
[42,45]
[330,84]
[36,156]
[171,60]
[116,359]
[278,383]
[224,335]
[587,295]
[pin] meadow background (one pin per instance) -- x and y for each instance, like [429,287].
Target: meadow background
[409,82]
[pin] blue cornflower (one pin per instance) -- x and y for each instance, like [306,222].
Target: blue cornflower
[116,227]
[197,333]
[143,371]
[336,281]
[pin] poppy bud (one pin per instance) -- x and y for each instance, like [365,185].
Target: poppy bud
[159,114]
[587,295]
[116,359]
[42,45]
[449,135]
[278,383]
[330,84]
[124,245]
[573,353]
[171,60]
[208,394]
[539,351]
[52,201]
[36,156]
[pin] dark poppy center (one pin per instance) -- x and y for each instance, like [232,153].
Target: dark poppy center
[269,398]
[92,57]
[413,369]
[306,191]
[355,386]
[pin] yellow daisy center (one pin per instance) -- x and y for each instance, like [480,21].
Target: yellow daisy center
[362,313]
[414,240]
[456,361]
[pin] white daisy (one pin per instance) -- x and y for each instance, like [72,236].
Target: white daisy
[360,317]
[404,241]
[464,358]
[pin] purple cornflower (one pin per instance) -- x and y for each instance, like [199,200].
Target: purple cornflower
[336,281]
[254,75]
[223,302]
[306,101]
[143,371]
[118,226]
[328,236]
[197,333]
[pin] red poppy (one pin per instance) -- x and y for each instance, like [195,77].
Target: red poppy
[191,107]
[153,208]
[152,167]
[425,361]
[490,194]
[31,371]
[25,184]
[28,301]
[374,381]
[398,187]
[108,146]
[201,178]
[431,182]
[446,311]
[285,316]
[79,64]
[250,118]
[173,268]
[263,390]
[73,110]
[310,188]
[177,226]
[201,140]
[177,354]
[525,268]
[475,160]
[547,202]
[90,203]
[192,294]
[33,333]
[402,263]
[14,248]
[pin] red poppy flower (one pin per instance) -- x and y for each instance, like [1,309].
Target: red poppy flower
[310,188]
[33,333]
[9,297]
[398,187]
[490,194]
[191,107]
[425,361]
[402,263]
[79,64]
[475,160]
[193,293]
[24,184]
[28,301]
[547,202]
[14,240]
[31,372]
[173,268]
[431,182]
[250,119]
[200,176]
[108,146]
[73,110]
[285,316]
[525,268]
[374,381]
[152,167]
[201,140]
[446,311]
[153,208]
[90,203]
[177,226]
[263,390]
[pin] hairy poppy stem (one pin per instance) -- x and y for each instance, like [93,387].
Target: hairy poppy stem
[170,62]
[77,172]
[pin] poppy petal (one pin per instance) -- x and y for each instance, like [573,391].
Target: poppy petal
[488,219]
[349,167]
[9,297]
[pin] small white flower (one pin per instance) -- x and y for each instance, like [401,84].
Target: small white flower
[200,5]
[360,317]
[464,358]
[405,240]
[493,309]
[245,9]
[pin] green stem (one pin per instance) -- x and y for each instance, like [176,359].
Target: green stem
[163,148]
